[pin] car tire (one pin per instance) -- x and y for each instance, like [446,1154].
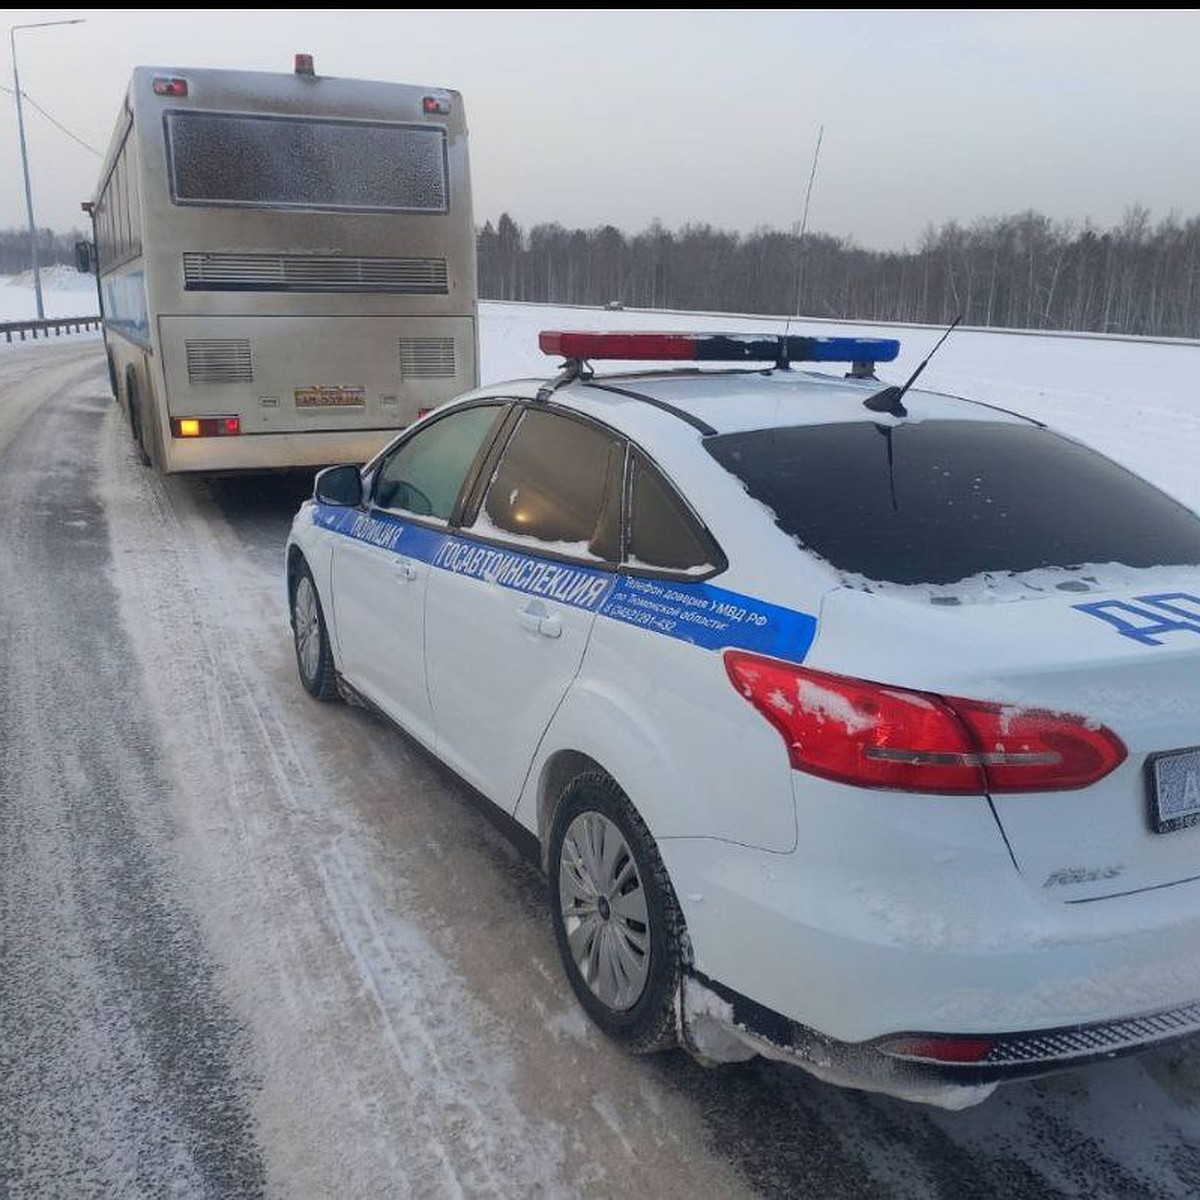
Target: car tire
[314,656]
[617,922]
[135,418]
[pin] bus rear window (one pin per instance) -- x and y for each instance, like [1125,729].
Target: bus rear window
[940,501]
[287,162]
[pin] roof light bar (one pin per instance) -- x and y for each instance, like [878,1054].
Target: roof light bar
[716,347]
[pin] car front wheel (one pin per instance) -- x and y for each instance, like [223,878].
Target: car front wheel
[616,918]
[314,658]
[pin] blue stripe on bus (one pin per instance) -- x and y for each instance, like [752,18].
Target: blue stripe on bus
[698,613]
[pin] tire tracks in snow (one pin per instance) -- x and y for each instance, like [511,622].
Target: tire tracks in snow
[121,1067]
[324,981]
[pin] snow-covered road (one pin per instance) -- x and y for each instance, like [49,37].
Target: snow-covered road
[252,944]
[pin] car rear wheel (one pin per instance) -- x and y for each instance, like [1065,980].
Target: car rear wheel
[616,918]
[314,658]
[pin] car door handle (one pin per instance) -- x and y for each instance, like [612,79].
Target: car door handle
[538,620]
[406,569]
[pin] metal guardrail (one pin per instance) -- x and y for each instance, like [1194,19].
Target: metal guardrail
[43,328]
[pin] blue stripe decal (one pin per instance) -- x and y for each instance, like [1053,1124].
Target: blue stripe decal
[710,616]
[697,613]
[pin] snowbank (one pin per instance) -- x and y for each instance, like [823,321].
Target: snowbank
[65,293]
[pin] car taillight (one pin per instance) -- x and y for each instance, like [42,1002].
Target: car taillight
[873,735]
[1032,750]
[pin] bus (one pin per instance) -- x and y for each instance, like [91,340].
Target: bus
[286,264]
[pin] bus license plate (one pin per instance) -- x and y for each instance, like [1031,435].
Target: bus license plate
[1175,779]
[330,396]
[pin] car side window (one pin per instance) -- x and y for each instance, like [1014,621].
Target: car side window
[557,487]
[663,533]
[425,474]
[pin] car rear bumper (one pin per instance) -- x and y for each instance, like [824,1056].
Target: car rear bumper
[991,1058]
[961,953]
[903,1065]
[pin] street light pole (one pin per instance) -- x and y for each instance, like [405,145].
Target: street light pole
[12,41]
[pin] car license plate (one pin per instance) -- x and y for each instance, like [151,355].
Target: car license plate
[1175,783]
[330,396]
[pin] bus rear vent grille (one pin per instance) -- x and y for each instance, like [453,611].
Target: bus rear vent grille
[427,358]
[314,273]
[219,360]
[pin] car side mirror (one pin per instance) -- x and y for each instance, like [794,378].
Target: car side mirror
[84,257]
[339,485]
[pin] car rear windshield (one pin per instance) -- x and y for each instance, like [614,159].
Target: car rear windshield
[940,501]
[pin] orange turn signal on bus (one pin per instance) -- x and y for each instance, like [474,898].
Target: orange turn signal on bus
[190,427]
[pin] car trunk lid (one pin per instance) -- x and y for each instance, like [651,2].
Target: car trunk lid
[1127,659]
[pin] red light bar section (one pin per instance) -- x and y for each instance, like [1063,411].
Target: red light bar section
[649,347]
[165,85]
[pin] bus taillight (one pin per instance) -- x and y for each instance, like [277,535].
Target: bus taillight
[193,427]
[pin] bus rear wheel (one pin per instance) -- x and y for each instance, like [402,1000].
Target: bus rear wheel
[135,418]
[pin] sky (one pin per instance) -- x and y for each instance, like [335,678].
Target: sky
[613,116]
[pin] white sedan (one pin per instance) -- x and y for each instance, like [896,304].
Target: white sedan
[854,725]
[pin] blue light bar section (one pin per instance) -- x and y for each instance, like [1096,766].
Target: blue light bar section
[847,349]
[791,348]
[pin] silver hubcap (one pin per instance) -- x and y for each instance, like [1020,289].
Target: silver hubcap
[604,910]
[308,628]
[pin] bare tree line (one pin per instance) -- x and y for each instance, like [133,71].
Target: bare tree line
[52,248]
[1020,271]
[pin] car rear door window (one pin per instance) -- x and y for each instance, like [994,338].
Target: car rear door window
[663,534]
[940,501]
[425,474]
[557,487]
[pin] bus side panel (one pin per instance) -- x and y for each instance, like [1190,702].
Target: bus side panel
[127,331]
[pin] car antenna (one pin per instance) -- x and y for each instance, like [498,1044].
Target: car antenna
[891,399]
[812,175]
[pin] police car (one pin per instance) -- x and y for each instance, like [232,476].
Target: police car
[854,725]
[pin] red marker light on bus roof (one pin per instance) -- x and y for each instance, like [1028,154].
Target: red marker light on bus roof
[435,104]
[169,85]
[304,64]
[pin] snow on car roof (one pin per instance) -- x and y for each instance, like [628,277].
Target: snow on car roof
[738,400]
[735,401]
